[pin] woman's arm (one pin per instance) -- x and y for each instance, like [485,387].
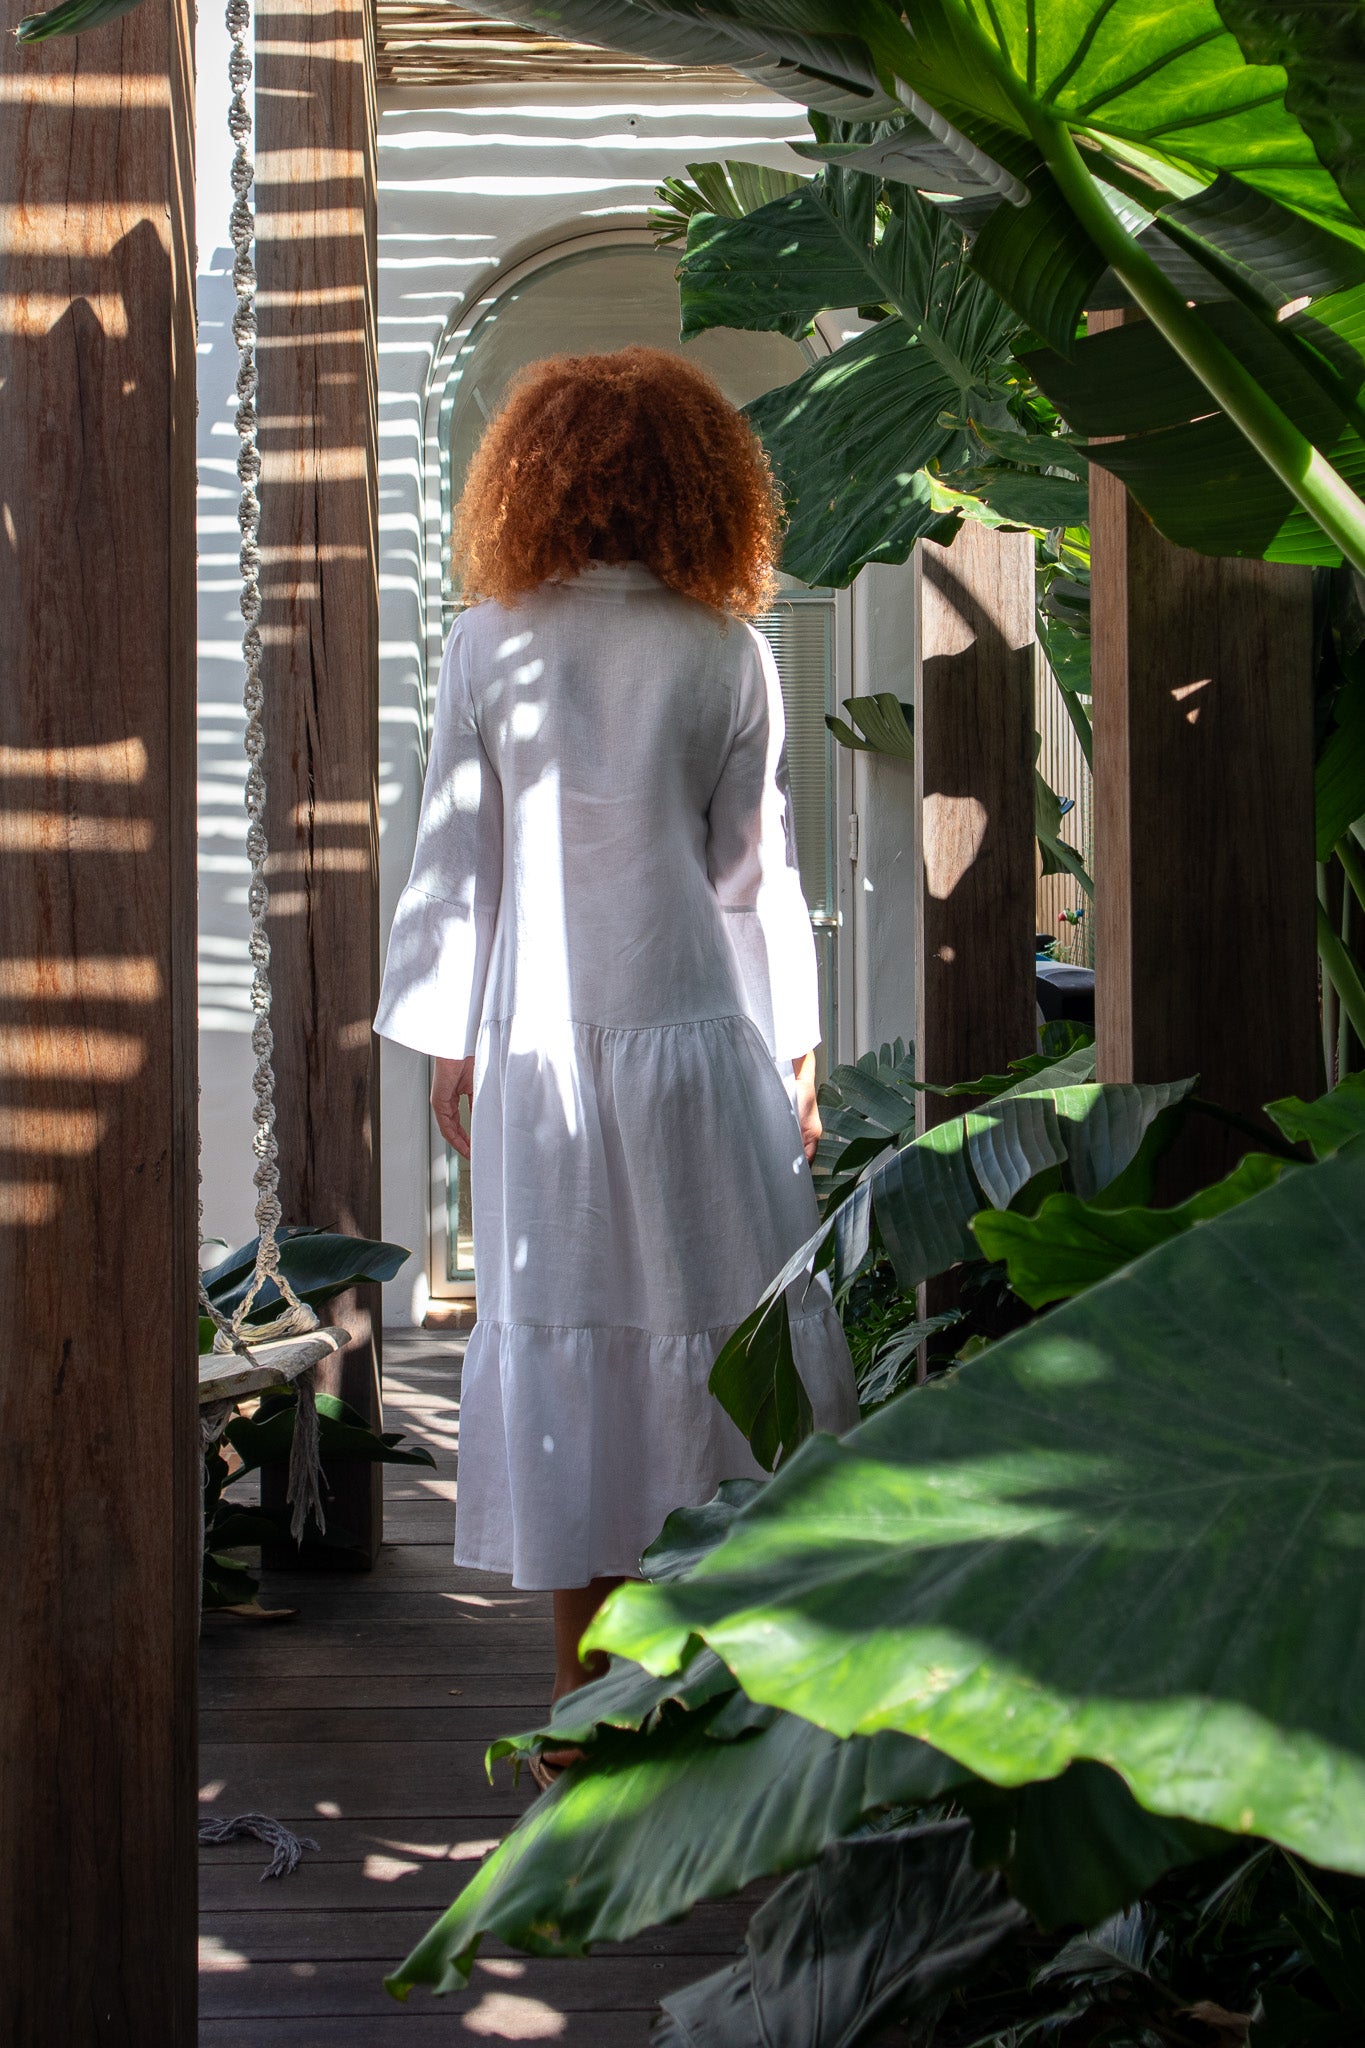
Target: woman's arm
[442,937]
[807,1108]
[452,1081]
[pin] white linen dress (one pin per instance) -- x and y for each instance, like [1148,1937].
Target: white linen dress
[604,909]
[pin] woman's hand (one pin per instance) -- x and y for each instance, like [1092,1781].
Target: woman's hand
[452,1080]
[807,1109]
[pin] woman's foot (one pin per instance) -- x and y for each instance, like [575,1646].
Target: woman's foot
[574,1608]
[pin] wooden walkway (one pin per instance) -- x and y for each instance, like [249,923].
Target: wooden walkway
[364,1724]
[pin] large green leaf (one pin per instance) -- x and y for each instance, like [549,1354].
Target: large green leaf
[1188,466]
[1259,248]
[849,441]
[1327,1124]
[879,1927]
[650,1823]
[1130,1532]
[319,1264]
[1318,44]
[800,51]
[1070,1245]
[1339,779]
[923,1199]
[778,267]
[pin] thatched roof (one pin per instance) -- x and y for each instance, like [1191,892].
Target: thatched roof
[421,42]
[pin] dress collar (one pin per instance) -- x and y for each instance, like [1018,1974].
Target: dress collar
[613,580]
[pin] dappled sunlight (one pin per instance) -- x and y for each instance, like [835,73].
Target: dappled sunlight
[504,2016]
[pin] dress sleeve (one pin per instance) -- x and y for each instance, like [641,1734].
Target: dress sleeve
[442,937]
[751,859]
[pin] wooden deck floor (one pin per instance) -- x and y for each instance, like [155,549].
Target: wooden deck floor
[364,1724]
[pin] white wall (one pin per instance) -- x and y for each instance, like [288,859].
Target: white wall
[465,190]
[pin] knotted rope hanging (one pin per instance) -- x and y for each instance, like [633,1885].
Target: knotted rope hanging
[304,1486]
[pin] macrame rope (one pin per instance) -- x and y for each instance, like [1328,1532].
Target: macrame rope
[304,1491]
[242,227]
[288,1846]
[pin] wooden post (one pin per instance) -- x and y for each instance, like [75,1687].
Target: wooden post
[99,1514]
[976,1003]
[1205,948]
[315,222]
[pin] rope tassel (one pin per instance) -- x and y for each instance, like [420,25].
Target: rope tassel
[305,1463]
[259,1827]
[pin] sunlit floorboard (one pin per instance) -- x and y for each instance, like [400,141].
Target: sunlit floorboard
[364,1724]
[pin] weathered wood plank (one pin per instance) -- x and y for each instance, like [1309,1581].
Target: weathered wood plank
[226,1690]
[393,1780]
[373,1933]
[404,1647]
[350,1989]
[315,213]
[98,1403]
[1205,947]
[330,1726]
[974,775]
[439,2027]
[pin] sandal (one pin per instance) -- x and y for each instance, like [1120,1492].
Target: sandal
[547,1767]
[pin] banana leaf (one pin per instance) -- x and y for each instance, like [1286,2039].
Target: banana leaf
[1128,1533]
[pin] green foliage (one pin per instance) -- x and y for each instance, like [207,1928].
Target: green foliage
[921,1201]
[729,189]
[1193,472]
[874,446]
[319,1265]
[880,724]
[1070,1245]
[880,1926]
[71,18]
[1124,1533]
[1327,1124]
[263,1441]
[704,1796]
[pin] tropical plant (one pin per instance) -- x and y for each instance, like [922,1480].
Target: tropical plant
[1089,1589]
[1198,160]
[913,1198]
[319,1265]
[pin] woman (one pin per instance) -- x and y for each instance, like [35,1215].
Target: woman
[604,945]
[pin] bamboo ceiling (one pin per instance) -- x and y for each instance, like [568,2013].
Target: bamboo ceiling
[421,42]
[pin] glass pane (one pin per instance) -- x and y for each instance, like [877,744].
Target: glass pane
[459,1222]
[801,637]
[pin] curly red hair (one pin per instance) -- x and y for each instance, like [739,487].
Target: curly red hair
[636,456]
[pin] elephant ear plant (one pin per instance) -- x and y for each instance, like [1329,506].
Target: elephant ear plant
[1072,1614]
[1194,161]
[319,1265]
